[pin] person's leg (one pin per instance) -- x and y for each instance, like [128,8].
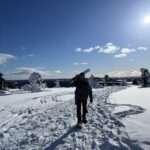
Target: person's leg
[144,82]
[78,101]
[84,104]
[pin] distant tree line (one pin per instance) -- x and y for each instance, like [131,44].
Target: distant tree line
[13,84]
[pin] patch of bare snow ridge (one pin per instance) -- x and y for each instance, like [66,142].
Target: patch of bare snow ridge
[47,121]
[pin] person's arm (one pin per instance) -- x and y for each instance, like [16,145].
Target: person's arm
[90,93]
[74,80]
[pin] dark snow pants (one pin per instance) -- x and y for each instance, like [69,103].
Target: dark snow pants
[144,82]
[83,103]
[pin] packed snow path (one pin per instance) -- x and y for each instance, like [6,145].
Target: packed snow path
[48,122]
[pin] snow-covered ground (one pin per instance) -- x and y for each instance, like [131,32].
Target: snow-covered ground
[47,120]
[133,106]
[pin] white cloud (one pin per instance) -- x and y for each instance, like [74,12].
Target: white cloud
[128,73]
[127,50]
[57,71]
[124,52]
[78,49]
[109,48]
[88,50]
[142,48]
[97,47]
[120,55]
[4,58]
[84,63]
[76,63]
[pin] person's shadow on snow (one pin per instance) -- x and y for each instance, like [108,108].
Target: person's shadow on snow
[60,141]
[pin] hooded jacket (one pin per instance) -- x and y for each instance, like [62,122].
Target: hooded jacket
[83,88]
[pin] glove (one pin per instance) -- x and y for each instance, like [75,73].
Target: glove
[91,100]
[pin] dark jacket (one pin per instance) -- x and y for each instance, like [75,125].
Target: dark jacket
[1,83]
[145,74]
[83,88]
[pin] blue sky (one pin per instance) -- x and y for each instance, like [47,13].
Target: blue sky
[61,38]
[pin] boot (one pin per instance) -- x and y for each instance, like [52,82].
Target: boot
[84,120]
[79,121]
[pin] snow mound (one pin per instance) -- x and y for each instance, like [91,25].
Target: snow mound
[95,83]
[36,83]
[26,87]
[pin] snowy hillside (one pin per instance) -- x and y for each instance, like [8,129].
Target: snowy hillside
[46,120]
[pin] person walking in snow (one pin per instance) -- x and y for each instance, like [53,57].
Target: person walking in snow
[82,92]
[144,77]
[2,82]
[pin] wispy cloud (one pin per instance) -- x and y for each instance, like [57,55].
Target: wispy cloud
[22,73]
[78,49]
[122,55]
[4,58]
[76,63]
[82,63]
[58,71]
[26,70]
[88,50]
[127,50]
[142,48]
[28,56]
[128,73]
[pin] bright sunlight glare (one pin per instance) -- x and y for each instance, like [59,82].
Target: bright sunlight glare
[147,19]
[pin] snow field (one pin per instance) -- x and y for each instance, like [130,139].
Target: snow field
[47,121]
